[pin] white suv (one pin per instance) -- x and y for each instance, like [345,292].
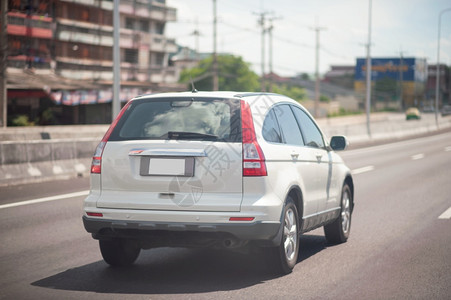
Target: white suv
[216,169]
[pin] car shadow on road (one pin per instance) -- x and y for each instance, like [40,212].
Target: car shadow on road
[176,271]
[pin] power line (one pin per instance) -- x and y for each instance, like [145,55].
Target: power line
[263,19]
[195,21]
[303,45]
[334,54]
[281,39]
[239,27]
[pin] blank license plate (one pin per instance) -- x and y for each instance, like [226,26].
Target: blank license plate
[173,166]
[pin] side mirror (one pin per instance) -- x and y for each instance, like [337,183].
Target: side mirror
[338,143]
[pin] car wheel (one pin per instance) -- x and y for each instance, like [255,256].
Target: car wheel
[338,231]
[119,252]
[284,256]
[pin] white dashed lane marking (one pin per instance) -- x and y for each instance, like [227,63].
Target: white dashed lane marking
[448,149]
[417,156]
[362,170]
[446,214]
[46,199]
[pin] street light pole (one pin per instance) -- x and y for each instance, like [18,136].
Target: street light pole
[437,77]
[317,80]
[368,74]
[262,24]
[116,104]
[215,54]
[270,78]
[270,29]
[3,56]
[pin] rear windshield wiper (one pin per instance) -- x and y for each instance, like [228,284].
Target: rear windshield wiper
[181,135]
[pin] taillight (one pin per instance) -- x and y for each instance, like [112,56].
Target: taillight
[96,165]
[253,157]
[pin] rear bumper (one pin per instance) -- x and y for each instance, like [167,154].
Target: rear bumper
[183,234]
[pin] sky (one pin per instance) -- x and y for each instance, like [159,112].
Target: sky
[409,27]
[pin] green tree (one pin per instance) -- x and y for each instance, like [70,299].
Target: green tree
[304,76]
[295,92]
[21,120]
[234,75]
[323,98]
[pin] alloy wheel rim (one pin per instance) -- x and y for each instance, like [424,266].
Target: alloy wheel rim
[290,234]
[346,213]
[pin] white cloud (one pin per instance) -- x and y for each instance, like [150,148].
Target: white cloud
[403,25]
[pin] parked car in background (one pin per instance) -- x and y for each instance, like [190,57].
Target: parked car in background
[216,169]
[446,110]
[428,109]
[413,113]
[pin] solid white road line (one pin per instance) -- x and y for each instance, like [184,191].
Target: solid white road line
[362,170]
[46,199]
[446,214]
[417,156]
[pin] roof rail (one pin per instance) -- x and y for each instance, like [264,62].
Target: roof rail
[250,94]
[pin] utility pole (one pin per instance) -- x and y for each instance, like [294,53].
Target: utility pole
[116,104]
[262,23]
[368,73]
[270,29]
[317,81]
[3,56]
[215,55]
[437,69]
[401,74]
[196,34]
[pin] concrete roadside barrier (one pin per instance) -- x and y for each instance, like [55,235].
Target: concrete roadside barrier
[33,154]
[384,127]
[36,154]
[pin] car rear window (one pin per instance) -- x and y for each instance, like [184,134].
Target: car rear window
[181,119]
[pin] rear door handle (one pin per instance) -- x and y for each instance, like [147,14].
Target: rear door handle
[294,155]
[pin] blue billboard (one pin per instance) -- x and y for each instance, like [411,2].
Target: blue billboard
[413,69]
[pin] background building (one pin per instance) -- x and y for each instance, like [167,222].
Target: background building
[60,57]
[397,83]
[342,76]
[445,86]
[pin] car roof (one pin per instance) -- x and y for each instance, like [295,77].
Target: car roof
[189,94]
[247,96]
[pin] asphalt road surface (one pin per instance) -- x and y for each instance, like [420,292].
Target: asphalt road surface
[400,244]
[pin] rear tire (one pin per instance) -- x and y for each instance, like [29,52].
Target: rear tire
[119,252]
[338,231]
[284,257]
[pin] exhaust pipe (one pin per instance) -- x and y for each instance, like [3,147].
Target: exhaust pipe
[230,243]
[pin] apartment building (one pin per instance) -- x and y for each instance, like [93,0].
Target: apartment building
[444,86]
[62,50]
